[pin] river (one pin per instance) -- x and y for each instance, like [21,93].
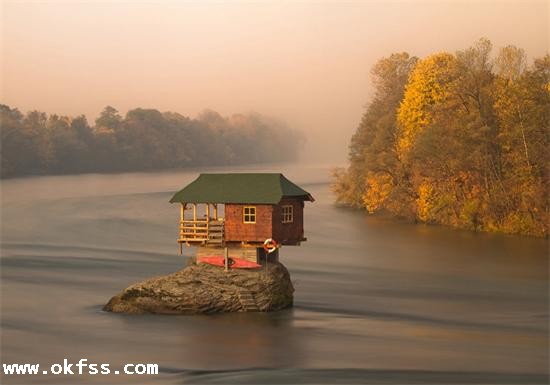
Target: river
[376,301]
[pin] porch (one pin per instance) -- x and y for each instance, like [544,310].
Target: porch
[205,227]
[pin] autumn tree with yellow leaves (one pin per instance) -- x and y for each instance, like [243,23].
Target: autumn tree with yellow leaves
[458,139]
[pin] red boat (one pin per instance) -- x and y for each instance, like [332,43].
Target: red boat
[234,263]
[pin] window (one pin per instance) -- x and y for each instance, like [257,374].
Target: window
[249,214]
[288,215]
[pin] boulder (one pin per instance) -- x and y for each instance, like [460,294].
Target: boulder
[202,288]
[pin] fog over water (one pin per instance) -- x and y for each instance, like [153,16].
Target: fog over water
[305,62]
[376,301]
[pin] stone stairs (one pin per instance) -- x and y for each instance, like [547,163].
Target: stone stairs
[247,301]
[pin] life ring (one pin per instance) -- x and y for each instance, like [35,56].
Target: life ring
[270,245]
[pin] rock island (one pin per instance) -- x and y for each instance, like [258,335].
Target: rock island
[238,223]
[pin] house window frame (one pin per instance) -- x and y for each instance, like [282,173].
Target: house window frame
[287,214]
[250,216]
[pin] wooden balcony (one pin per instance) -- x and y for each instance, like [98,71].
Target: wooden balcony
[202,232]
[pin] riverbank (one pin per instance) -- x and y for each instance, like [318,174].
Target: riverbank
[411,220]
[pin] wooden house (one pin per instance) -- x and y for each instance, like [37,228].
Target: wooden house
[239,212]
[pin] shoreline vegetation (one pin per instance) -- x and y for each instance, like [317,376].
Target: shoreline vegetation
[144,140]
[455,139]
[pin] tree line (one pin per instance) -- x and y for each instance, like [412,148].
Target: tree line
[145,139]
[456,139]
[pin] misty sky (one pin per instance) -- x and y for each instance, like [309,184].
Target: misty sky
[305,62]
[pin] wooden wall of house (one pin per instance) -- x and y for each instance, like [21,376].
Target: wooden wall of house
[288,233]
[238,231]
[247,253]
[252,254]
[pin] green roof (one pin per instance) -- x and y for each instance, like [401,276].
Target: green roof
[240,188]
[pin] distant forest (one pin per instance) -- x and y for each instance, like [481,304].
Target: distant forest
[145,139]
[456,139]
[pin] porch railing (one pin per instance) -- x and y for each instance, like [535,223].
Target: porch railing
[201,231]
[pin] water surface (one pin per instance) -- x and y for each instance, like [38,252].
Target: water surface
[376,300]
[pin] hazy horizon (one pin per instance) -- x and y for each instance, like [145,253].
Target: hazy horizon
[305,63]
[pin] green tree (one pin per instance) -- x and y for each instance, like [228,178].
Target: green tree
[145,139]
[522,105]
[109,119]
[375,178]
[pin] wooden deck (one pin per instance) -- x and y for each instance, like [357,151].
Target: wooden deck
[202,232]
